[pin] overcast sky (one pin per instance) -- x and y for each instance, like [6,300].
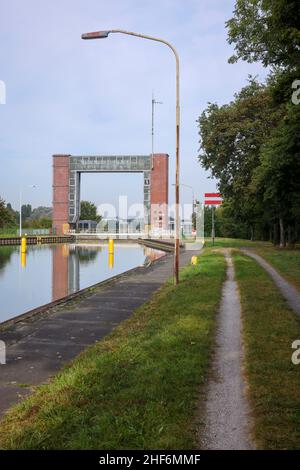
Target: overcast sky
[65,95]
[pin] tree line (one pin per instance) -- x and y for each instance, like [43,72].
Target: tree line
[40,217]
[251,145]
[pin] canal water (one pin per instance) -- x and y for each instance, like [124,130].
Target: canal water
[50,272]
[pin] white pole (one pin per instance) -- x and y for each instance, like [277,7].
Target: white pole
[20,215]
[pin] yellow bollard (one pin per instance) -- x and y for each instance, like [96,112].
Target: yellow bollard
[110,260]
[194,260]
[111,246]
[23,259]
[23,244]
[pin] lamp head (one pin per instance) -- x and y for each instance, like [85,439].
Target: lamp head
[95,35]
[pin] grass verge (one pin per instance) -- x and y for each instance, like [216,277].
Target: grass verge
[139,387]
[269,328]
[285,261]
[234,243]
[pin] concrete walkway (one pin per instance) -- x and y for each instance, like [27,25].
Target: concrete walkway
[289,292]
[226,416]
[37,348]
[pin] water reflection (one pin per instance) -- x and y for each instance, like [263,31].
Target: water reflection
[5,255]
[66,261]
[50,272]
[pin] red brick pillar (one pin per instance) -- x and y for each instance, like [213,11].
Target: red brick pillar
[159,191]
[61,170]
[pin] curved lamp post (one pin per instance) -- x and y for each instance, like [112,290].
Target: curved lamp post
[104,34]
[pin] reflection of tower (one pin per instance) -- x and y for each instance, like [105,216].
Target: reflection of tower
[65,271]
[60,255]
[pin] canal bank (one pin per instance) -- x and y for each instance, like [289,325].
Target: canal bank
[38,346]
[47,273]
[37,239]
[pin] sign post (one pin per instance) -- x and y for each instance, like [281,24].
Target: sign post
[213,232]
[213,200]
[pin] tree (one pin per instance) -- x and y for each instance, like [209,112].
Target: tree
[231,137]
[41,212]
[15,214]
[26,211]
[88,211]
[267,31]
[208,221]
[278,176]
[43,222]
[6,215]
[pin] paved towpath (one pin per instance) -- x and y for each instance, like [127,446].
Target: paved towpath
[226,416]
[289,292]
[37,348]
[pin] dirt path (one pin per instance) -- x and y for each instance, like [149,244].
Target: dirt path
[289,292]
[226,417]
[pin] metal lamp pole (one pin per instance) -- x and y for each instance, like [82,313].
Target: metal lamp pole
[104,34]
[154,102]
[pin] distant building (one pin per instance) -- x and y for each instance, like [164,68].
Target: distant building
[87,225]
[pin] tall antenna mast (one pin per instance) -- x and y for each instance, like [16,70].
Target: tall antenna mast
[154,102]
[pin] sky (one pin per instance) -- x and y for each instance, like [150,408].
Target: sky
[65,95]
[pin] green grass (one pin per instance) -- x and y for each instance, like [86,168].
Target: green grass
[8,235]
[270,327]
[285,261]
[234,243]
[139,387]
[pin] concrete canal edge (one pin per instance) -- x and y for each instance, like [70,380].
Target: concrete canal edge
[37,239]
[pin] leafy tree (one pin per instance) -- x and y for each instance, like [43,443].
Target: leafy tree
[26,211]
[41,212]
[6,216]
[231,137]
[43,222]
[252,144]
[267,31]
[278,176]
[228,224]
[208,221]
[15,214]
[88,211]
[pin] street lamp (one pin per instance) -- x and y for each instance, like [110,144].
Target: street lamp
[20,215]
[104,34]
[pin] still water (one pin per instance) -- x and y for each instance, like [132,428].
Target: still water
[50,272]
